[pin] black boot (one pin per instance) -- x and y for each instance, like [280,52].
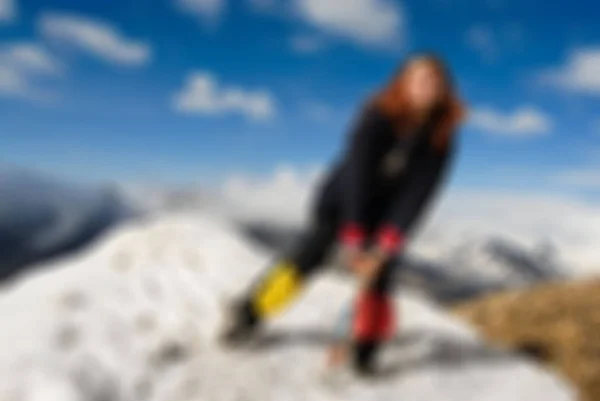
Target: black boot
[241,325]
[364,358]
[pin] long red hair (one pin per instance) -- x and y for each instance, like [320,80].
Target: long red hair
[446,114]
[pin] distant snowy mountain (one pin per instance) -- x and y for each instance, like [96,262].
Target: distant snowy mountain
[42,218]
[134,317]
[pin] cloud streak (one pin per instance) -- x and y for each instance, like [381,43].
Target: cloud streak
[22,66]
[525,121]
[29,57]
[203,94]
[580,73]
[367,22]
[96,38]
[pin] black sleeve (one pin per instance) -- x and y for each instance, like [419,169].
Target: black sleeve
[422,183]
[359,160]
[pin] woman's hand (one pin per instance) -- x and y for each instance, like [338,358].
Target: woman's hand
[367,265]
[359,262]
[348,255]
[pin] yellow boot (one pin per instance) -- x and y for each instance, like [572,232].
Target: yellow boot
[277,291]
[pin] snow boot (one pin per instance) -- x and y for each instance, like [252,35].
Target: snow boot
[373,325]
[240,326]
[365,355]
[273,293]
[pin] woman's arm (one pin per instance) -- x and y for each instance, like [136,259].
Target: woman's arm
[359,159]
[422,184]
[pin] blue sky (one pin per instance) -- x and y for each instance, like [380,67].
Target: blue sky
[193,90]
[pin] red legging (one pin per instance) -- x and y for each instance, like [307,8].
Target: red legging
[374,314]
[374,318]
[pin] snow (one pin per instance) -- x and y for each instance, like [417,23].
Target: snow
[135,317]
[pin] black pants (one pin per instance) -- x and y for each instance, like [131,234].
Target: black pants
[318,242]
[278,286]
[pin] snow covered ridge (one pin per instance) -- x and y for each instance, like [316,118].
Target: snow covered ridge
[134,318]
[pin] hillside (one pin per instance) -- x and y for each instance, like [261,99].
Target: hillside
[135,316]
[557,323]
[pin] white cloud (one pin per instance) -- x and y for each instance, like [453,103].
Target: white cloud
[482,39]
[307,44]
[207,9]
[368,22]
[202,94]
[580,74]
[96,38]
[282,199]
[8,10]
[22,65]
[30,57]
[523,122]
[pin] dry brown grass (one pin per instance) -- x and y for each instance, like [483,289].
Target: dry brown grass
[559,323]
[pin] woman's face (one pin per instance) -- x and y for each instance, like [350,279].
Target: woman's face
[423,86]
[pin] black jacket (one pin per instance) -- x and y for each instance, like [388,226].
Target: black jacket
[383,179]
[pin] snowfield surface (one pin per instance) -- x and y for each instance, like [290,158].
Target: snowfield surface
[135,319]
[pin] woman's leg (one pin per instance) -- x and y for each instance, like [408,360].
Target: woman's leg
[374,320]
[282,283]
